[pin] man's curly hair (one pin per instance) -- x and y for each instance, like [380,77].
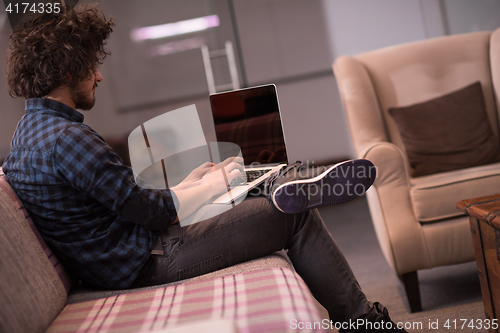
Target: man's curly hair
[48,48]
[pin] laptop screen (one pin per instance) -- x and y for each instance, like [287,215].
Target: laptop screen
[251,119]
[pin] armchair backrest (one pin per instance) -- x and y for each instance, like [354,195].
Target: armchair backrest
[401,75]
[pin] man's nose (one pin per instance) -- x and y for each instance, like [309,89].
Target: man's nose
[98,76]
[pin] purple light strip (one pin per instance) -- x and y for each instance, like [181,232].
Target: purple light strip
[174,29]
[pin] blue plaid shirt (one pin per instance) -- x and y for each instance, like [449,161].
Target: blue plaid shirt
[82,198]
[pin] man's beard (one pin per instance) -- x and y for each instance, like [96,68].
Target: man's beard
[81,100]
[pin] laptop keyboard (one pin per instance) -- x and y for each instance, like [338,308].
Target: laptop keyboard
[251,176]
[254,174]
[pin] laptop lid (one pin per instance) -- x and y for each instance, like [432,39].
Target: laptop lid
[251,118]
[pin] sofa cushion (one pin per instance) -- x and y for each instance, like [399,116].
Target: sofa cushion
[259,301]
[447,133]
[67,279]
[32,293]
[275,260]
[434,197]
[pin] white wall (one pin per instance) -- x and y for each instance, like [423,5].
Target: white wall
[357,26]
[467,16]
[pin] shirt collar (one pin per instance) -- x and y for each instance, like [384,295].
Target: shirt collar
[41,104]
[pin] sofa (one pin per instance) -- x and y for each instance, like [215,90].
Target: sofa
[37,293]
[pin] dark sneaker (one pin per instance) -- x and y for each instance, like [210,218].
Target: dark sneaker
[377,322]
[300,190]
[389,326]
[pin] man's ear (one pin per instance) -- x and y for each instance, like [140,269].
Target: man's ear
[68,79]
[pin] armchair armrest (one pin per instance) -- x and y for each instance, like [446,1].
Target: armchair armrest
[399,233]
[392,165]
[360,103]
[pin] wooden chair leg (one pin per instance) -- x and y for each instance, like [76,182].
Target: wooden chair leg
[410,281]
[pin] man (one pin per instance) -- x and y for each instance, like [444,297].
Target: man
[103,226]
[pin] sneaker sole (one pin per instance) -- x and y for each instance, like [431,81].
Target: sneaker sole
[341,181]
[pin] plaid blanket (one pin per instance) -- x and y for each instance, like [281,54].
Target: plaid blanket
[259,301]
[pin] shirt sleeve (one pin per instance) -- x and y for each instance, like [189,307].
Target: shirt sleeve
[85,161]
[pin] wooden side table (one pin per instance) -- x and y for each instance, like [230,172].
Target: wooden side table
[484,217]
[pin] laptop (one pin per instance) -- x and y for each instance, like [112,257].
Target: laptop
[251,119]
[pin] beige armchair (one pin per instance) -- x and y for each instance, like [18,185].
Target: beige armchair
[415,219]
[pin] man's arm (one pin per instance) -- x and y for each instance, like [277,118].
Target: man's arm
[192,193]
[85,161]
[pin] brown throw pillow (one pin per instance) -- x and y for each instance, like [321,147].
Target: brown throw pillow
[447,133]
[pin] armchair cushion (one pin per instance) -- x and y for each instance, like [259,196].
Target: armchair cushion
[447,133]
[434,197]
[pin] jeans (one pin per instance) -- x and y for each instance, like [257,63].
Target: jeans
[254,229]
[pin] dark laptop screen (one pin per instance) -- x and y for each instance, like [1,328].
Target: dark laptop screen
[251,119]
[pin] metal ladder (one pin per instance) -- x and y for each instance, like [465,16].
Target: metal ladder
[228,52]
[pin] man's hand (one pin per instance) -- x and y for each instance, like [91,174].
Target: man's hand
[228,161]
[195,191]
[215,180]
[199,172]
[230,165]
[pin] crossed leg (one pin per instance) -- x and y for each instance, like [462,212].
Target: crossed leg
[254,229]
